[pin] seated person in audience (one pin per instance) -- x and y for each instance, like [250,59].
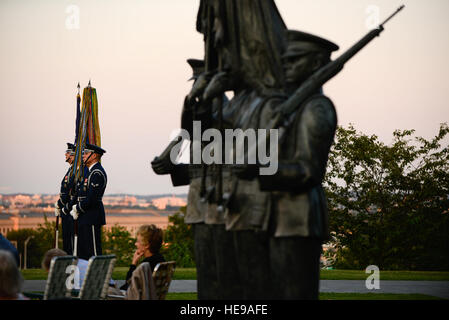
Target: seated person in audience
[148,244]
[50,254]
[11,279]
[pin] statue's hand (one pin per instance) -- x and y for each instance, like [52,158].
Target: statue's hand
[217,86]
[198,87]
[161,165]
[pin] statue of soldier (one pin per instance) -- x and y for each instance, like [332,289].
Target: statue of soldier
[268,242]
[278,222]
[213,254]
[269,218]
[240,55]
[240,258]
[298,222]
[182,174]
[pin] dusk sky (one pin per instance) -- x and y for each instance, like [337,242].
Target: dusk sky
[135,54]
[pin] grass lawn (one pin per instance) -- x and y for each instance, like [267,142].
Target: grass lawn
[190,274]
[385,275]
[119,273]
[325,296]
[329,296]
[181,296]
[180,273]
[375,296]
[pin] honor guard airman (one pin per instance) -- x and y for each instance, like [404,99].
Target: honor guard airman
[64,200]
[89,209]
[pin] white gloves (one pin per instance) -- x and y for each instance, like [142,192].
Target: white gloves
[74,212]
[57,210]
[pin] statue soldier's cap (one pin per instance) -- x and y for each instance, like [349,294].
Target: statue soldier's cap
[70,148]
[197,67]
[93,148]
[299,43]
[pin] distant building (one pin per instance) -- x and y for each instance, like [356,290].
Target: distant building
[111,200]
[50,199]
[20,201]
[162,203]
[132,223]
[36,200]
[10,224]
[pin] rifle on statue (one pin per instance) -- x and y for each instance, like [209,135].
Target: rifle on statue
[286,112]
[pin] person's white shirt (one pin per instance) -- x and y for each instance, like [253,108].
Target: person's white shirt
[82,268]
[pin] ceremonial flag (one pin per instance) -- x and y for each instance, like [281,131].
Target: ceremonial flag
[88,129]
[247,38]
[78,114]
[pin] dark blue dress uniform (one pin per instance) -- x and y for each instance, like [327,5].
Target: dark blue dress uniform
[71,197]
[63,201]
[66,218]
[91,212]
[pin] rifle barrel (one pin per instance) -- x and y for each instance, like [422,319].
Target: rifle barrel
[392,15]
[321,76]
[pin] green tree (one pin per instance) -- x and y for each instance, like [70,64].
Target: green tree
[178,238]
[388,204]
[41,241]
[119,241]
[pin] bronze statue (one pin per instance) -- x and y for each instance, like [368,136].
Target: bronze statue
[298,215]
[251,217]
[232,41]
[259,236]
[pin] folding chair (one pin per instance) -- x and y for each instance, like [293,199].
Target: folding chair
[56,286]
[96,281]
[162,276]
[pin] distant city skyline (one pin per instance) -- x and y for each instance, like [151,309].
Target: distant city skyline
[135,54]
[29,211]
[159,201]
[106,194]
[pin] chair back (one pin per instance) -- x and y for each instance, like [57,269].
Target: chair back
[96,281]
[58,275]
[162,275]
